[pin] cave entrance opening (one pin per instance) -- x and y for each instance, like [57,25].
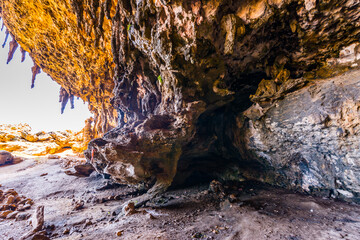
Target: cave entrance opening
[39,107]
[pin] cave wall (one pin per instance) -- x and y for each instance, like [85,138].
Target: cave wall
[310,138]
[170,78]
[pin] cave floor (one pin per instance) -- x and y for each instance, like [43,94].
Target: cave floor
[256,212]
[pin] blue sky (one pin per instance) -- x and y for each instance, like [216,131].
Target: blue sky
[39,107]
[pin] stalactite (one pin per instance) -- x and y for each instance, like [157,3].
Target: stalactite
[35,71]
[13,46]
[23,54]
[72,101]
[63,98]
[6,38]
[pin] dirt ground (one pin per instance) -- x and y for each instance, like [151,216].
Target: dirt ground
[232,211]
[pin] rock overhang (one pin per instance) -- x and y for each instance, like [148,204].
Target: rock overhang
[184,65]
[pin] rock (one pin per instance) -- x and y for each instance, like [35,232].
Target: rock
[22,216]
[24,207]
[79,204]
[40,237]
[5,157]
[129,209]
[87,223]
[12,215]
[29,137]
[150,216]
[18,138]
[84,169]
[309,138]
[217,188]
[5,213]
[38,219]
[9,200]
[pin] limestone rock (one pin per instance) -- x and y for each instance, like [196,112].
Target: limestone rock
[5,157]
[310,138]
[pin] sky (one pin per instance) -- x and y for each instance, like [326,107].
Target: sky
[39,107]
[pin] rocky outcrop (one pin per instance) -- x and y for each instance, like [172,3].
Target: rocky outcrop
[19,138]
[179,74]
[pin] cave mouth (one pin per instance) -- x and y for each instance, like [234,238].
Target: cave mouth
[38,106]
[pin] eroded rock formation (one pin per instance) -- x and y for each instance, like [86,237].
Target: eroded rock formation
[20,139]
[180,74]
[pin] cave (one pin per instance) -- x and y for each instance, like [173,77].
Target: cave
[250,94]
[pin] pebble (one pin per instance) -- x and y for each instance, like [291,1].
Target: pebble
[150,216]
[66,231]
[40,237]
[10,199]
[22,216]
[4,214]
[12,215]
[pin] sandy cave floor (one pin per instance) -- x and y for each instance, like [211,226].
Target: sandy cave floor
[257,212]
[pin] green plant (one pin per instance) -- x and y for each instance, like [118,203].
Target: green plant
[160,79]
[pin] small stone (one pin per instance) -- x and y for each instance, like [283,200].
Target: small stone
[40,237]
[9,200]
[66,231]
[79,204]
[150,216]
[87,223]
[4,214]
[84,169]
[197,235]
[119,233]
[130,209]
[12,215]
[22,216]
[27,206]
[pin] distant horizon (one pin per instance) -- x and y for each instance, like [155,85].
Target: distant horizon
[39,107]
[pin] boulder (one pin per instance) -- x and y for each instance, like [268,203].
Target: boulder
[5,157]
